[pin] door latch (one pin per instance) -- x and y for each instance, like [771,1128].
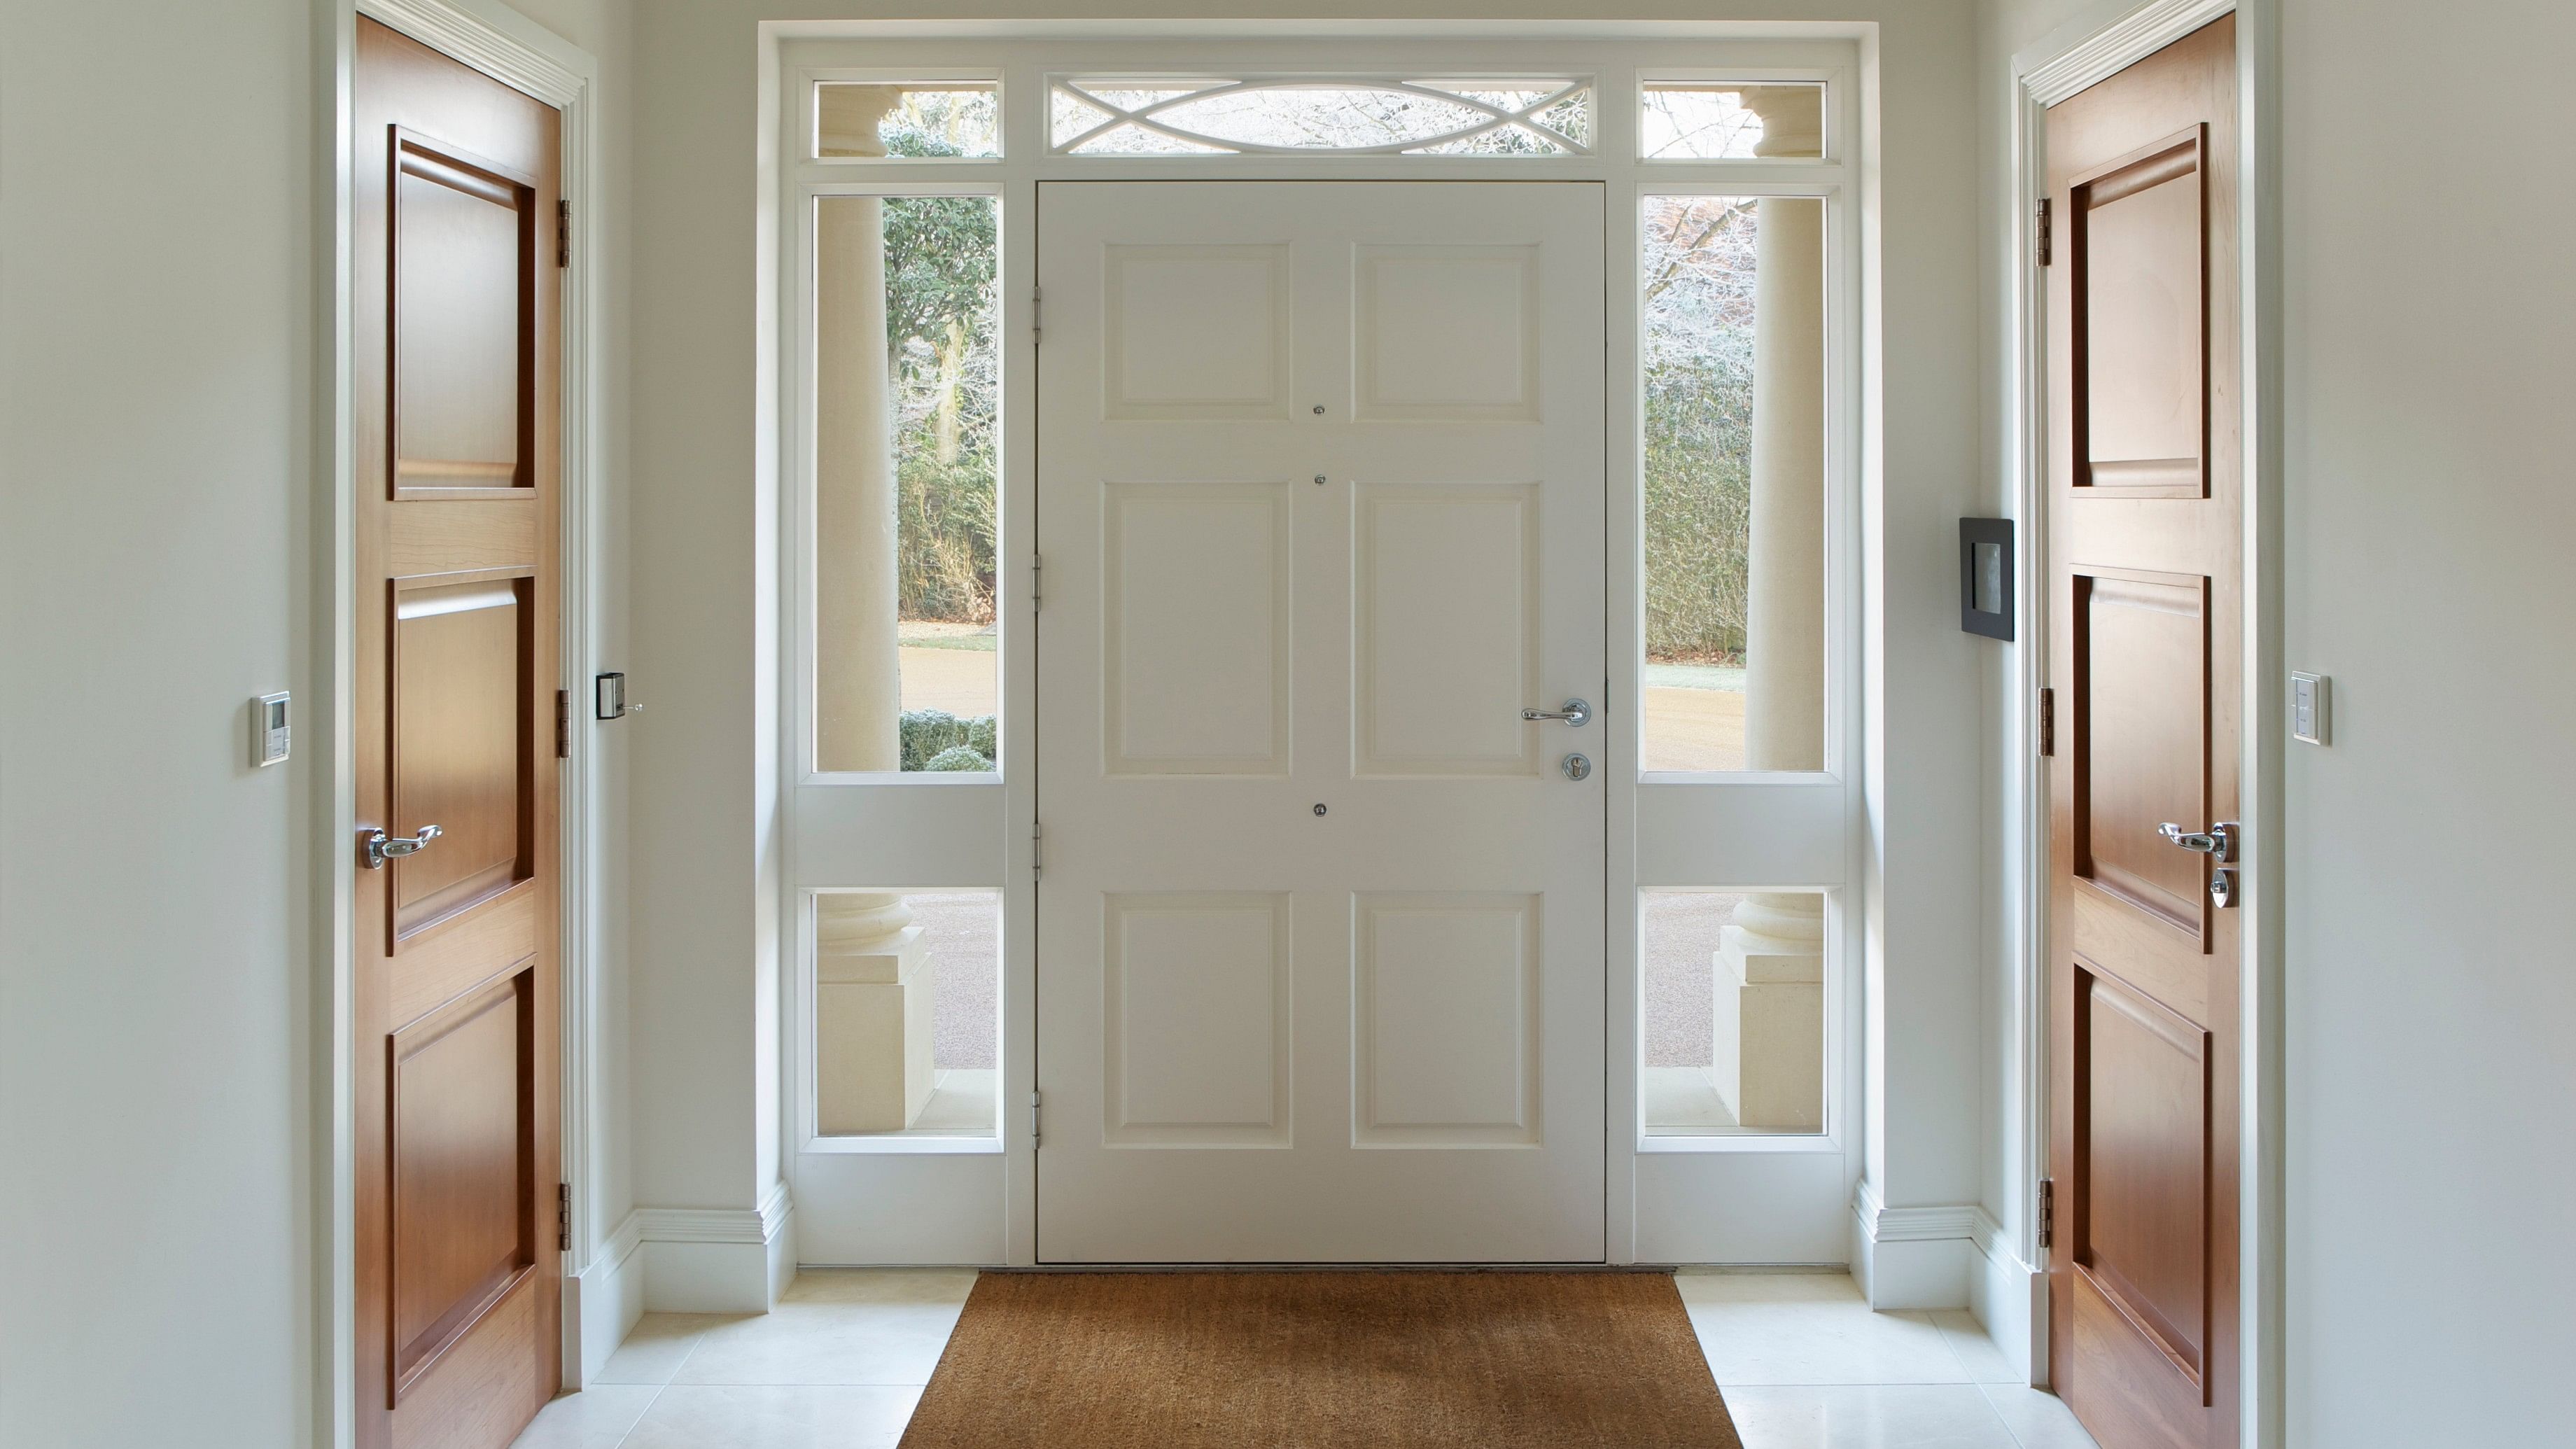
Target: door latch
[2218,842]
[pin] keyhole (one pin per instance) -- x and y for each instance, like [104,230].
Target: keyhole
[1319,809]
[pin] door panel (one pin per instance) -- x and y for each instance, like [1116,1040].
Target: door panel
[458,1278]
[2146,618]
[1320,926]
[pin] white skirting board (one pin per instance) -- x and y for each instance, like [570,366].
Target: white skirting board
[602,1302]
[717,1260]
[1952,1257]
[2010,1297]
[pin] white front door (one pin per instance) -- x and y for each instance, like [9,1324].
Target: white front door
[1321,504]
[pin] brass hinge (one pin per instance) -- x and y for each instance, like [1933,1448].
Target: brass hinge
[563,724]
[2047,1211]
[563,1217]
[563,233]
[1033,1119]
[2045,247]
[1037,321]
[2048,721]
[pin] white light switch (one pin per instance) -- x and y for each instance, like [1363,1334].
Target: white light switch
[2309,709]
[272,736]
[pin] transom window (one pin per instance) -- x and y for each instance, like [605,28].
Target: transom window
[1332,115]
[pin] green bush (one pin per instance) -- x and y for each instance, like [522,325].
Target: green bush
[930,736]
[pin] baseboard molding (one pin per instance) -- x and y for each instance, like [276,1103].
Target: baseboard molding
[718,1260]
[1914,1257]
[2010,1297]
[602,1302]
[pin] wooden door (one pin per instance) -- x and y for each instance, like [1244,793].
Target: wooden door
[2146,620]
[458,1277]
[1320,928]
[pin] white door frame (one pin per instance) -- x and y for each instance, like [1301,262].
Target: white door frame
[503,44]
[1656,1189]
[2091,49]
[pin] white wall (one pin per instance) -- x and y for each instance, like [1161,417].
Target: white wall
[705,768]
[160,431]
[156,311]
[2429,975]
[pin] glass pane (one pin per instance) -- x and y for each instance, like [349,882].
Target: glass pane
[1728,121]
[1734,998]
[949,119]
[907,404]
[1734,470]
[1489,118]
[907,1014]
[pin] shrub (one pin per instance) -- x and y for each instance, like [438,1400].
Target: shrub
[958,757]
[931,735]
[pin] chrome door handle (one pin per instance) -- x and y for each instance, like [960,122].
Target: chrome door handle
[1575,713]
[2219,840]
[378,846]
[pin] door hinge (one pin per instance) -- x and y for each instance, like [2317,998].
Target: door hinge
[563,233]
[2047,1211]
[563,1217]
[1037,316]
[1037,582]
[2048,721]
[2045,247]
[563,724]
[1033,1119]
[1037,848]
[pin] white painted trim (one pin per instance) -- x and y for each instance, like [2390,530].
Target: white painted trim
[1912,1257]
[2004,1293]
[758,1225]
[606,1299]
[2077,55]
[518,52]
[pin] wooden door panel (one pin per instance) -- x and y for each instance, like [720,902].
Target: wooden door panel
[2146,617]
[2141,283]
[464,268]
[458,1279]
[463,697]
[2143,1126]
[2140,717]
[462,1153]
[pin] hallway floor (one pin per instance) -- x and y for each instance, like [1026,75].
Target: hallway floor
[838,1365]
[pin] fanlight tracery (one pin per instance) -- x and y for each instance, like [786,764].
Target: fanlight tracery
[1313,115]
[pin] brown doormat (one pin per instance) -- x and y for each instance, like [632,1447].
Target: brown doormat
[1070,1360]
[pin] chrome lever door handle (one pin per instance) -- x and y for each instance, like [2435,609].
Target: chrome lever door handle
[1575,713]
[378,846]
[2219,840]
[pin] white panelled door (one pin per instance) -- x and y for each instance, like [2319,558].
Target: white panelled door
[1320,920]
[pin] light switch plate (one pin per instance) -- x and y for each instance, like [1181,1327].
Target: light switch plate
[2311,709]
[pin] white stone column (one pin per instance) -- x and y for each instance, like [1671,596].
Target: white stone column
[873,985]
[1767,1061]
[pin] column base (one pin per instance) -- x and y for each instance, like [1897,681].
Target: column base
[872,1031]
[1768,1054]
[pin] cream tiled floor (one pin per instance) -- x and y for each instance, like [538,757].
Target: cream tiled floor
[839,1364]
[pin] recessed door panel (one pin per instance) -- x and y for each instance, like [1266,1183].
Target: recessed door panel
[462,1157]
[1447,629]
[1196,618]
[2142,334]
[1195,331]
[1196,1020]
[2142,730]
[1448,333]
[463,261]
[1448,1020]
[461,707]
[2145,1119]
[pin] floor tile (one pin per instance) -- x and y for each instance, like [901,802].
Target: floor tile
[768,1416]
[657,1346]
[806,1341]
[1785,1328]
[2038,1419]
[880,1285]
[1978,1352]
[1867,1416]
[594,1418]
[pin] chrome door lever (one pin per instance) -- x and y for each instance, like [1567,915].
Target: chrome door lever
[2219,840]
[1575,713]
[377,846]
